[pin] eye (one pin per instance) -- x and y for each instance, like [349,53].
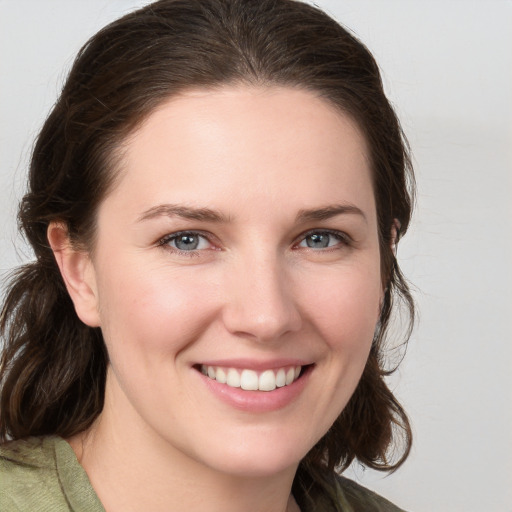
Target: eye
[186,241]
[322,239]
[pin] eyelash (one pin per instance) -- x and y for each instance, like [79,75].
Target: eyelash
[341,237]
[167,239]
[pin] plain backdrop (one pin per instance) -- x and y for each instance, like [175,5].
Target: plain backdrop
[447,67]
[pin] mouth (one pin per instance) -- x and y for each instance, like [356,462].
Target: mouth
[251,380]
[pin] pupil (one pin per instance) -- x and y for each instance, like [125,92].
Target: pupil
[318,241]
[187,242]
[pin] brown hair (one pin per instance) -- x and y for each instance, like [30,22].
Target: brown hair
[53,367]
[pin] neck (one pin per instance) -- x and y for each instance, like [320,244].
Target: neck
[150,474]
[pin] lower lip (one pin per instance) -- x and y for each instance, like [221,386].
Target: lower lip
[257,401]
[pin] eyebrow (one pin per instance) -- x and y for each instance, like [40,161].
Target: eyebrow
[210,215]
[185,212]
[328,212]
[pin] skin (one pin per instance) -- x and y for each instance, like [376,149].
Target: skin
[252,289]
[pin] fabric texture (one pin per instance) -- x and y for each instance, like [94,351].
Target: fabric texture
[42,474]
[356,498]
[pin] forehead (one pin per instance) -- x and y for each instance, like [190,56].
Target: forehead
[255,142]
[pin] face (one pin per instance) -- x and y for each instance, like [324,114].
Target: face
[236,276]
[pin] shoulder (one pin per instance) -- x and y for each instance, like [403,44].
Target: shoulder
[35,452]
[361,499]
[29,476]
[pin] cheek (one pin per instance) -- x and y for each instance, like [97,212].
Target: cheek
[152,312]
[343,311]
[345,307]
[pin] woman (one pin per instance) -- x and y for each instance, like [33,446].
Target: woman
[214,204]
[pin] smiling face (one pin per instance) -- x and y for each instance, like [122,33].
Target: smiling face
[238,248]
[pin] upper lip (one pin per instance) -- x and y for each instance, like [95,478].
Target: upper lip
[252,364]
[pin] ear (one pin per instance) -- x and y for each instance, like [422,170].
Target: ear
[395,234]
[77,272]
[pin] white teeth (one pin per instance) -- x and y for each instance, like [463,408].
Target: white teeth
[267,381]
[233,378]
[221,376]
[280,378]
[249,380]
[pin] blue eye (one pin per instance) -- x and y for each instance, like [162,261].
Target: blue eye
[321,240]
[186,241]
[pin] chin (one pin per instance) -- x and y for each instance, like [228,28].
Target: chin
[258,458]
[258,467]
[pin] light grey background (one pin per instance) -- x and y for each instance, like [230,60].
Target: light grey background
[447,66]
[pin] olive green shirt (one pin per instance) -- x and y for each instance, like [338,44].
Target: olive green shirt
[42,474]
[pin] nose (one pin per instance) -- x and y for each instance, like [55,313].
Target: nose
[260,304]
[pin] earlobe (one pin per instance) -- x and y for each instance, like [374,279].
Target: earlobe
[77,272]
